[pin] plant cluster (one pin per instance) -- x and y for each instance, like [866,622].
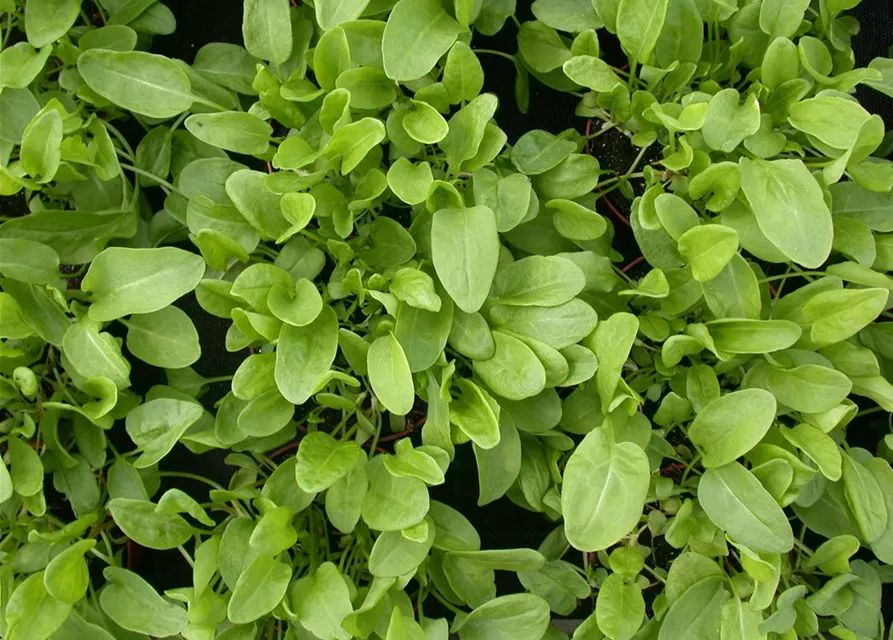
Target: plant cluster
[403,282]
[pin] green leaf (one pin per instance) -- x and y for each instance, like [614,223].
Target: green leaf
[135,606]
[369,88]
[603,491]
[865,498]
[514,372]
[732,425]
[818,447]
[165,338]
[410,182]
[322,461]
[463,76]
[789,209]
[66,576]
[593,73]
[576,222]
[320,602]
[453,532]
[20,64]
[299,308]
[125,281]
[538,151]
[331,13]
[420,26]
[753,336]
[611,344]
[639,23]
[344,498]
[304,356]
[157,425]
[26,468]
[394,555]
[567,15]
[737,503]
[48,20]
[728,123]
[838,314]
[559,584]
[266,29]
[424,124]
[227,65]
[573,177]
[809,388]
[144,524]
[707,249]
[144,83]
[620,608]
[232,131]
[467,129]
[259,590]
[258,205]
[833,120]
[96,354]
[520,617]
[782,18]
[545,281]
[697,613]
[392,503]
[353,141]
[31,612]
[559,327]
[41,154]
[465,250]
[390,376]
[541,47]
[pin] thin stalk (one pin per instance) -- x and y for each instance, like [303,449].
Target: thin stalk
[493,52]
[151,176]
[191,476]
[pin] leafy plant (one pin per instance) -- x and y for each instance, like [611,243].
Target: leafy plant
[400,282]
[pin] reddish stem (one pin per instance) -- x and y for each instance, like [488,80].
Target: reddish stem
[614,211]
[632,265]
[588,147]
[269,167]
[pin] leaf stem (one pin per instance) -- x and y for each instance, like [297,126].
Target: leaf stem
[788,275]
[493,52]
[151,176]
[191,476]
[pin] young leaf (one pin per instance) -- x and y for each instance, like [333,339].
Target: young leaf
[322,461]
[144,83]
[420,26]
[620,608]
[125,281]
[520,616]
[304,356]
[232,131]
[639,23]
[737,503]
[165,338]
[732,425]
[259,589]
[604,488]
[48,20]
[31,612]
[465,251]
[789,209]
[514,372]
[135,606]
[390,376]
[266,29]
[157,425]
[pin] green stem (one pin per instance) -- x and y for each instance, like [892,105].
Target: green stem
[449,605]
[493,52]
[191,476]
[788,275]
[120,137]
[186,556]
[151,176]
